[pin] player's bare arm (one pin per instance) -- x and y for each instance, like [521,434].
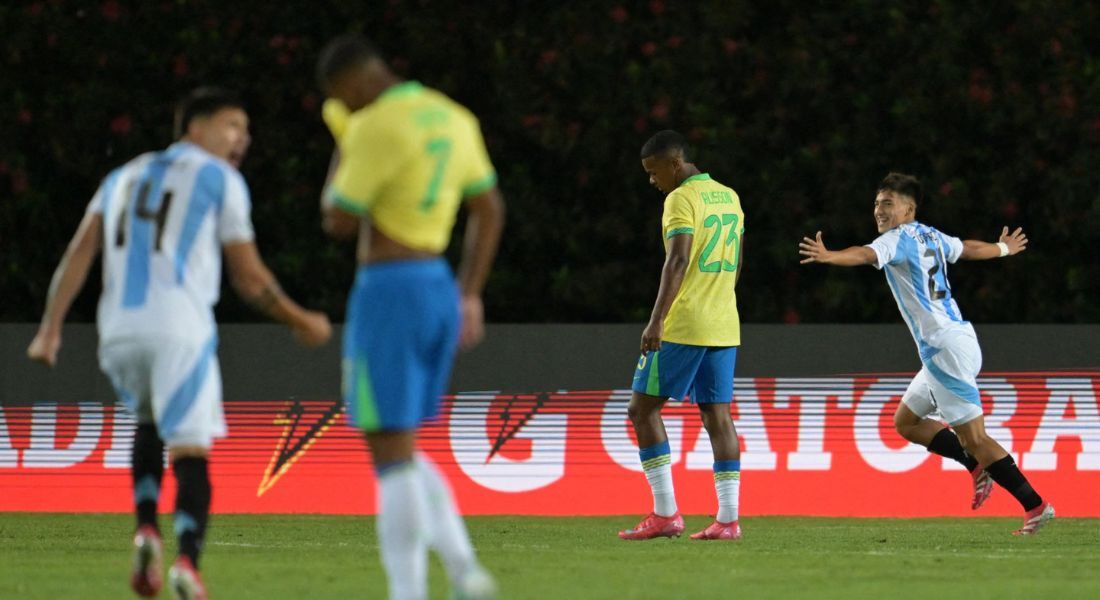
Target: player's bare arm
[1013,243]
[337,223]
[483,227]
[256,285]
[68,280]
[740,263]
[814,251]
[672,277]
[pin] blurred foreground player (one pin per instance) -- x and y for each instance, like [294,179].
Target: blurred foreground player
[407,158]
[163,221]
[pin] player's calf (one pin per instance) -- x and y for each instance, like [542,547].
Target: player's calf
[147,470]
[192,504]
[1007,475]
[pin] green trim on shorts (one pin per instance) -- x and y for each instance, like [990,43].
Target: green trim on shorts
[364,397]
[653,384]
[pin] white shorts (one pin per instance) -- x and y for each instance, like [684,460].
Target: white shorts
[948,382]
[175,384]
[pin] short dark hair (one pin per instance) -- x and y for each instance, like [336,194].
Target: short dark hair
[203,102]
[903,184]
[664,142]
[341,54]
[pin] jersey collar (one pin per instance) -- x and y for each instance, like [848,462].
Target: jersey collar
[405,88]
[183,145]
[696,177]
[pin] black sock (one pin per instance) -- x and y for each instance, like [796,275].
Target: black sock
[146,470]
[192,505]
[946,443]
[1008,475]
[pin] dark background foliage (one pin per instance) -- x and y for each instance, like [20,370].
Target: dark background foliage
[800,106]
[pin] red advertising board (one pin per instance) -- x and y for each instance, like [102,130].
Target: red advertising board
[810,447]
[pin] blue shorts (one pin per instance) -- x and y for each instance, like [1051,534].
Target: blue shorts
[399,343]
[676,370]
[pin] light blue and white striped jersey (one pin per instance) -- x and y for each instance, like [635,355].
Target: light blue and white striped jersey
[166,216]
[915,258]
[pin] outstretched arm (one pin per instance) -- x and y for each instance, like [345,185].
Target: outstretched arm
[815,252]
[68,279]
[672,277]
[1006,245]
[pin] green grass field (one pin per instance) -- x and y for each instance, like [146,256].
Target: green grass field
[296,556]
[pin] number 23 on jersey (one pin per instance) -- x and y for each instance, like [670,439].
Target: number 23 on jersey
[720,230]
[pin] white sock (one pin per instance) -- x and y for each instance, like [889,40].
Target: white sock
[402,515]
[447,532]
[657,464]
[728,486]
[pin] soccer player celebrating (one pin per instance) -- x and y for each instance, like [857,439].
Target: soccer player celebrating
[690,343]
[914,257]
[162,222]
[408,157]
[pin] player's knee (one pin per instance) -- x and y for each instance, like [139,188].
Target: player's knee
[902,426]
[717,422]
[187,451]
[904,419]
[973,440]
[639,413]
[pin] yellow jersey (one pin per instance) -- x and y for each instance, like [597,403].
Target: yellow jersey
[704,312]
[406,161]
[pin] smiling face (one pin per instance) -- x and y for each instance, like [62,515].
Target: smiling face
[223,133]
[663,171]
[893,209]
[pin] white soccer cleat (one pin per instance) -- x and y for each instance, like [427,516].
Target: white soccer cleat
[477,584]
[1036,518]
[145,578]
[185,582]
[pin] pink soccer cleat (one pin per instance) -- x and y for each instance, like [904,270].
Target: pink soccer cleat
[983,486]
[719,531]
[185,582]
[148,549]
[654,526]
[1036,518]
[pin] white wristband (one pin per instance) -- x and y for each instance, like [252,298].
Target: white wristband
[1004,248]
